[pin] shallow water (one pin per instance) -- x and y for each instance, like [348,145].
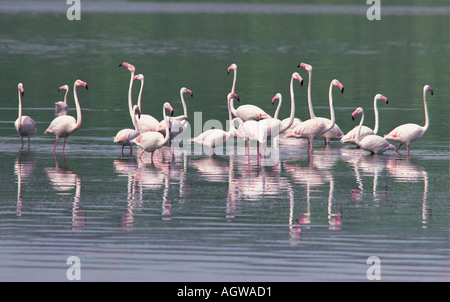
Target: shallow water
[220,218]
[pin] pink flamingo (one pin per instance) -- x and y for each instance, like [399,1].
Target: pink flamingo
[146,122]
[125,136]
[24,124]
[373,143]
[245,112]
[335,132]
[216,137]
[65,125]
[150,141]
[177,123]
[61,107]
[350,137]
[408,133]
[315,127]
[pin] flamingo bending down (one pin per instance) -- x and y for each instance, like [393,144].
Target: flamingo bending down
[153,140]
[216,137]
[350,137]
[146,122]
[65,125]
[373,143]
[335,132]
[24,124]
[408,133]
[315,127]
[245,112]
[124,136]
[177,123]
[61,107]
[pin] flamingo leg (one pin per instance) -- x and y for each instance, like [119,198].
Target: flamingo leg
[54,148]
[396,150]
[141,154]
[407,150]
[28,143]
[21,139]
[131,149]
[64,145]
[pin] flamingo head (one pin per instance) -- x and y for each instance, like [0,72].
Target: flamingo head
[232,67]
[297,76]
[128,66]
[338,84]
[137,111]
[168,106]
[81,83]
[185,90]
[20,87]
[307,67]
[356,112]
[65,87]
[382,97]
[139,77]
[276,97]
[428,88]
[233,96]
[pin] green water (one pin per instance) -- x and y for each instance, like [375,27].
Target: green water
[201,218]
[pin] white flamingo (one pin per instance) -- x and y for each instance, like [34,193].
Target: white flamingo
[150,141]
[245,112]
[61,107]
[24,124]
[65,125]
[373,143]
[315,127]
[125,136]
[335,132]
[146,122]
[350,137]
[216,137]
[177,123]
[408,133]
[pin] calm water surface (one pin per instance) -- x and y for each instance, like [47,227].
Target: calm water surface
[219,218]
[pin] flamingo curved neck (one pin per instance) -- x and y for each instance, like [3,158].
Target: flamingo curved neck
[275,116]
[77,105]
[135,123]
[291,117]
[20,110]
[359,127]
[311,110]
[65,96]
[330,99]
[234,81]
[130,102]
[167,135]
[375,110]
[427,118]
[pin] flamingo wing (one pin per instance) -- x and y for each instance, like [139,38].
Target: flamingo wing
[405,133]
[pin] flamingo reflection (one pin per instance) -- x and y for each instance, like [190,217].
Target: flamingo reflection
[23,168]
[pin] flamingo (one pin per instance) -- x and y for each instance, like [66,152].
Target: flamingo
[146,122]
[408,133]
[315,127]
[373,143]
[61,107]
[335,132]
[124,136]
[178,123]
[150,141]
[245,112]
[350,137]
[24,124]
[216,137]
[65,125]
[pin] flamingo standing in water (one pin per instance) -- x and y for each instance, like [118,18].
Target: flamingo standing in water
[177,123]
[65,125]
[373,143]
[146,122]
[150,141]
[125,136]
[245,112]
[335,132]
[315,127]
[408,133]
[61,107]
[216,137]
[350,137]
[24,124]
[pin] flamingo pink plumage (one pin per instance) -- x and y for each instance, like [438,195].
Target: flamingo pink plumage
[245,112]
[350,137]
[65,125]
[24,124]
[408,133]
[315,127]
[373,143]
[125,136]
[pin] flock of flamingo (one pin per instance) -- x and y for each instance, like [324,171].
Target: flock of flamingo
[254,124]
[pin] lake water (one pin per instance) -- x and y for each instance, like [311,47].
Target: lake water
[220,218]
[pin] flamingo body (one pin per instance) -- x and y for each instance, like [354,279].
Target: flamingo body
[24,124]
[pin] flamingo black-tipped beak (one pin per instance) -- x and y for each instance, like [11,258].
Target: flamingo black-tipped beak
[387,101]
[342,90]
[171,113]
[353,118]
[301,83]
[22,93]
[298,65]
[86,87]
